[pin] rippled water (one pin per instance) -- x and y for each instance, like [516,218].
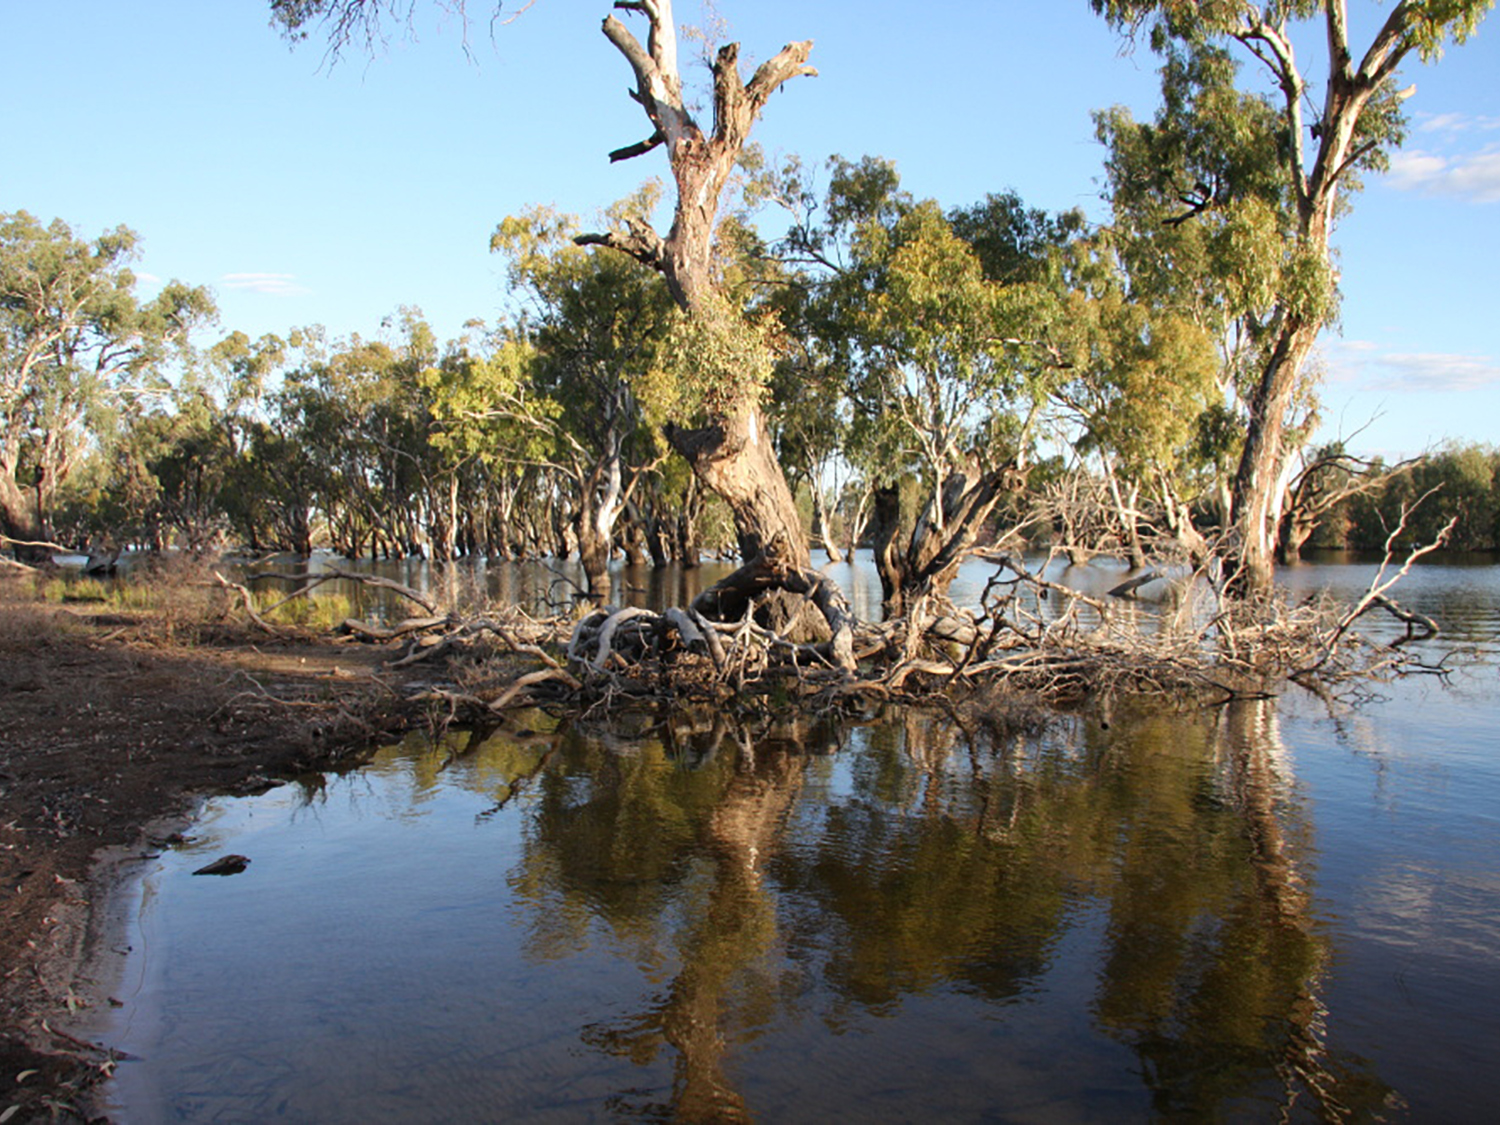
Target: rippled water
[1272,909]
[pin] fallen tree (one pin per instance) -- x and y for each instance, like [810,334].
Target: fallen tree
[1027,637]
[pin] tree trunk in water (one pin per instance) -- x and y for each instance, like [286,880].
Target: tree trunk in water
[304,532]
[593,554]
[1125,512]
[446,548]
[633,545]
[1256,496]
[856,527]
[1259,483]
[1179,521]
[688,552]
[657,539]
[732,454]
[1296,530]
[820,521]
[735,458]
[929,559]
[890,564]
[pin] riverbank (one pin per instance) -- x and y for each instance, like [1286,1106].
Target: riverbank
[122,707]
[119,719]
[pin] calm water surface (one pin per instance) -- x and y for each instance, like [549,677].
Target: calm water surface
[1275,909]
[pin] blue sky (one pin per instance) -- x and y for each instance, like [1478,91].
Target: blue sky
[305,194]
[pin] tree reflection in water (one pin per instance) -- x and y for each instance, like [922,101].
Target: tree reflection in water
[757,878]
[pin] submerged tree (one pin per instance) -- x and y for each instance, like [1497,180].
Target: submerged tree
[944,331]
[594,321]
[724,359]
[1274,183]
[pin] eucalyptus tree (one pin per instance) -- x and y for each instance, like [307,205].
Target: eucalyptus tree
[297,460]
[806,406]
[187,455]
[725,437]
[240,374]
[1454,482]
[75,341]
[1138,373]
[368,415]
[188,464]
[348,437]
[809,409]
[491,458]
[941,374]
[594,321]
[722,431]
[1269,185]
[947,356]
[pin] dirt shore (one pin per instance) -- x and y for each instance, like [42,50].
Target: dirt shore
[112,721]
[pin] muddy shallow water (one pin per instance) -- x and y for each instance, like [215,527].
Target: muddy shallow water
[1273,908]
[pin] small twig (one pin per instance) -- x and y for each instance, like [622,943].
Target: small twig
[1380,583]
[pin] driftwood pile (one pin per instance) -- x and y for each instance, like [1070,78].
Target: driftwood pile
[1027,636]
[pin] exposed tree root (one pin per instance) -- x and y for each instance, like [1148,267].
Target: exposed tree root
[1029,637]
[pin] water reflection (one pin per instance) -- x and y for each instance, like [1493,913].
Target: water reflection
[695,921]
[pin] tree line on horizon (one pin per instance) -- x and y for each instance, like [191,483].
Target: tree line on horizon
[925,378]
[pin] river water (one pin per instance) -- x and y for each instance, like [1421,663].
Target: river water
[1282,909]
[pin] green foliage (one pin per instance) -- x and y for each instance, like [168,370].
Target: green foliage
[1015,243]
[710,363]
[1459,482]
[936,350]
[462,393]
[75,345]
[594,318]
[1206,219]
[1422,25]
[1239,169]
[1140,380]
[1430,24]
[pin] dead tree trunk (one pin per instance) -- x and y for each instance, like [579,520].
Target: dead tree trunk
[926,559]
[1128,515]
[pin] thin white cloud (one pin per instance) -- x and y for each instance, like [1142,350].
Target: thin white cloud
[1475,176]
[272,284]
[1436,371]
[1364,363]
[1449,123]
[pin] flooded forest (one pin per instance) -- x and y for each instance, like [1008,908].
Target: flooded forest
[820,653]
